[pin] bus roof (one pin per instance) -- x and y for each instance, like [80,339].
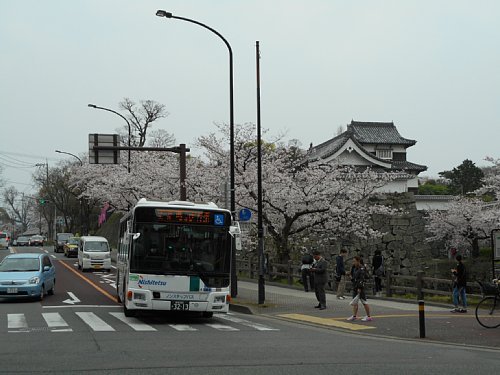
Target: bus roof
[143,202]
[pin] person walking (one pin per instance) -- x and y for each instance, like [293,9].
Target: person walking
[305,270]
[340,273]
[459,285]
[378,272]
[319,269]
[358,290]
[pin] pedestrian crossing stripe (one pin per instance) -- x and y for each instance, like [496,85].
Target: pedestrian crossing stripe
[56,323]
[326,322]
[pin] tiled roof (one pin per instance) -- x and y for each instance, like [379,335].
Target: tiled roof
[328,148]
[408,166]
[378,132]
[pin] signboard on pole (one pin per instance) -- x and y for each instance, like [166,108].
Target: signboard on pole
[97,156]
[245,214]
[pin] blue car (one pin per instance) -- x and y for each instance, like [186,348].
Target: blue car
[27,275]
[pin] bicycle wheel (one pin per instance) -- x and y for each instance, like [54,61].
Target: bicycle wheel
[488,312]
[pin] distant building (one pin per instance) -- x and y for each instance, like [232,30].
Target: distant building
[377,145]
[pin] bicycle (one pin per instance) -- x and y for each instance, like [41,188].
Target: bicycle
[488,309]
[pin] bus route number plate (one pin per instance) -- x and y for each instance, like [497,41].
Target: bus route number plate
[179,305]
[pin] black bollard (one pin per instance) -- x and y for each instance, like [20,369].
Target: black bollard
[421,318]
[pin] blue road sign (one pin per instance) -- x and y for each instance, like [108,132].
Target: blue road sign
[245,214]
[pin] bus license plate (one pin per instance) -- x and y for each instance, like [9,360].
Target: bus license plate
[179,305]
[11,290]
[97,266]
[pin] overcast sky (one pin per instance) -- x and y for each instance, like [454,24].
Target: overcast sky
[432,67]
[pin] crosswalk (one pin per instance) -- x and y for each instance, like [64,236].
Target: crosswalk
[117,321]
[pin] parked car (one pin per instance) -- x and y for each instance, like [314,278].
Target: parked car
[22,241]
[71,247]
[27,275]
[4,240]
[36,240]
[61,239]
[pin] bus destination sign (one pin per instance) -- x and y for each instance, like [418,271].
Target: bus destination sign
[166,215]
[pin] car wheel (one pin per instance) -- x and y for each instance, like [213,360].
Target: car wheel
[42,293]
[79,267]
[52,290]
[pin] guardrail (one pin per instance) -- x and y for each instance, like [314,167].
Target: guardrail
[420,285]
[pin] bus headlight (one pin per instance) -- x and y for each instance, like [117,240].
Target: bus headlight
[107,255]
[34,280]
[86,256]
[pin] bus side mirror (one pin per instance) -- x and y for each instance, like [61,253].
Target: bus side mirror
[129,231]
[235,232]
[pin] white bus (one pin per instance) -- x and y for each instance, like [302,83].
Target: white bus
[175,256]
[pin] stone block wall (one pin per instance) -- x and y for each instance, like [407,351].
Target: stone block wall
[403,244]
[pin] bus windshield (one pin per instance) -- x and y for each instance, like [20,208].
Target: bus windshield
[180,249]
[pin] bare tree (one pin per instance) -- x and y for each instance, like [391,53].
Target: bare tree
[161,138]
[141,116]
[19,206]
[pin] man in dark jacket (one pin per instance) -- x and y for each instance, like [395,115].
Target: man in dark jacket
[459,286]
[340,273]
[319,270]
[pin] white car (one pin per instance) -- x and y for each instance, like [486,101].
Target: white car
[94,254]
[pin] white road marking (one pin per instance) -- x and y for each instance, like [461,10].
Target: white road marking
[46,251]
[16,321]
[11,250]
[72,300]
[113,267]
[53,256]
[257,326]
[94,322]
[134,323]
[222,327]
[182,327]
[56,322]
[80,306]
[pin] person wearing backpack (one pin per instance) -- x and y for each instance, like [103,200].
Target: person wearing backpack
[305,271]
[359,275]
[378,272]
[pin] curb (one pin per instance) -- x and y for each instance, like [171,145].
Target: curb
[241,309]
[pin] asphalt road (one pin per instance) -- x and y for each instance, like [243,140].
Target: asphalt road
[91,335]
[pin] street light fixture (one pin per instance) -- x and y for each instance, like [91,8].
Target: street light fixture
[128,124]
[163,13]
[69,153]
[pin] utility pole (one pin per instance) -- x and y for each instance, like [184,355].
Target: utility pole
[260,227]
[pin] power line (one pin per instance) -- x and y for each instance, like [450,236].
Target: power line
[31,156]
[14,160]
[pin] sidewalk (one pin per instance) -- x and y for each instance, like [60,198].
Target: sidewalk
[390,318]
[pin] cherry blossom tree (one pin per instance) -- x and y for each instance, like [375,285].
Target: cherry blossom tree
[298,195]
[464,224]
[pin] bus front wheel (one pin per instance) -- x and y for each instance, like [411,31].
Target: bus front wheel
[207,314]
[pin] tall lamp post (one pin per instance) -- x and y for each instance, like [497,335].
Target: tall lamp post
[163,13]
[79,200]
[69,153]
[128,124]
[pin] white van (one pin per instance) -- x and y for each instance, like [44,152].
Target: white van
[94,253]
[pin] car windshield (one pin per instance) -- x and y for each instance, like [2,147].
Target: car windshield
[37,238]
[3,235]
[19,265]
[63,236]
[73,241]
[96,246]
[22,239]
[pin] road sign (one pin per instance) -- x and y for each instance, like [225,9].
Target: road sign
[245,214]
[104,156]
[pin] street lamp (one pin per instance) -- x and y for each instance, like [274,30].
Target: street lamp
[128,124]
[69,153]
[163,13]
[79,199]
